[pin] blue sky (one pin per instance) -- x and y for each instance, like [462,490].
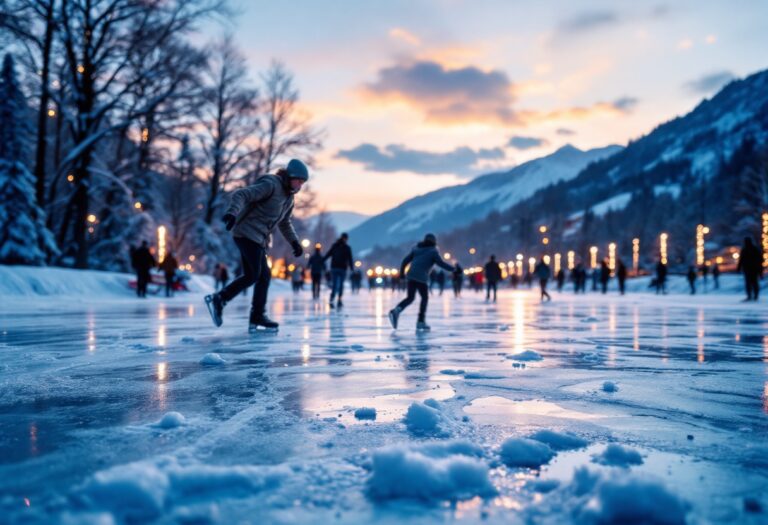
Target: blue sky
[421,94]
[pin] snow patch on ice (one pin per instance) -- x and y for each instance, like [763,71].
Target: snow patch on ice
[526,355]
[171,420]
[431,473]
[365,413]
[452,372]
[523,452]
[428,419]
[559,440]
[483,375]
[212,359]
[616,455]
[610,386]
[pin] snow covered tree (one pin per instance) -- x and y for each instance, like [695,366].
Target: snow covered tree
[24,239]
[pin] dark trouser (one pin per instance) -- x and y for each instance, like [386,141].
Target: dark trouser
[492,285]
[337,282]
[255,271]
[169,278]
[543,286]
[457,288]
[423,289]
[752,284]
[621,286]
[317,280]
[605,286]
[142,279]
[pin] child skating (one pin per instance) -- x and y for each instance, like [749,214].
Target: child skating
[421,258]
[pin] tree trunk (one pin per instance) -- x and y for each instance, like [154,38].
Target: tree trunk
[42,110]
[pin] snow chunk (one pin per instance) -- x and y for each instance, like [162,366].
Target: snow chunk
[171,420]
[559,440]
[134,492]
[417,473]
[610,386]
[451,372]
[483,375]
[526,355]
[365,413]
[617,456]
[523,452]
[427,419]
[212,358]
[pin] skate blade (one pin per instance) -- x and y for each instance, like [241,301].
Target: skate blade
[209,305]
[262,330]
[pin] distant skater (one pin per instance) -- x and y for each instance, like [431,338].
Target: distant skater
[492,277]
[560,277]
[691,276]
[661,278]
[316,271]
[253,213]
[169,267]
[341,260]
[605,276]
[751,265]
[142,261]
[716,275]
[621,276]
[543,273]
[457,279]
[421,259]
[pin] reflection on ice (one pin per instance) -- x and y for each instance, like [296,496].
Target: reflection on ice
[498,410]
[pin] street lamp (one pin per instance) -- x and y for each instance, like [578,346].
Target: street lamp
[765,239]
[305,243]
[557,263]
[701,231]
[571,260]
[663,247]
[160,243]
[612,257]
[636,255]
[531,264]
[593,257]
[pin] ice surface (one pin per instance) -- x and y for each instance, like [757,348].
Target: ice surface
[272,437]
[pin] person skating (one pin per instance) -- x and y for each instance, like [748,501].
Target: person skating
[716,275]
[661,278]
[605,276]
[421,259]
[560,277]
[143,262]
[457,279]
[691,276]
[253,213]
[169,267]
[492,277]
[621,276]
[751,265]
[542,273]
[316,271]
[341,259]
[297,279]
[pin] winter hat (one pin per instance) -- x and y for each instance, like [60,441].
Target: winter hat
[297,170]
[430,239]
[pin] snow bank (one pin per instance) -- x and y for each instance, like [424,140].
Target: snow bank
[523,452]
[365,413]
[212,359]
[143,491]
[32,281]
[430,473]
[618,456]
[559,440]
[428,419]
[526,355]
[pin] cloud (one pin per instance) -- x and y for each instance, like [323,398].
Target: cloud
[709,83]
[449,96]
[565,132]
[520,142]
[460,161]
[587,21]
[398,33]
[619,107]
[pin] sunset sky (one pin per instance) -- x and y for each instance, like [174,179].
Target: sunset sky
[416,95]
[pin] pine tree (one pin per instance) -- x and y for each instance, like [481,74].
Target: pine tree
[24,239]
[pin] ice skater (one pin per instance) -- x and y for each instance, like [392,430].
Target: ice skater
[341,259]
[492,277]
[253,213]
[421,259]
[543,273]
[751,265]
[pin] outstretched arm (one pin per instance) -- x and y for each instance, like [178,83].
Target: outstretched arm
[406,261]
[441,263]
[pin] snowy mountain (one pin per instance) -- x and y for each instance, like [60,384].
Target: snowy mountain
[455,206]
[342,220]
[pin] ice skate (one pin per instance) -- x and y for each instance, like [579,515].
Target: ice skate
[421,326]
[215,307]
[339,304]
[394,315]
[262,324]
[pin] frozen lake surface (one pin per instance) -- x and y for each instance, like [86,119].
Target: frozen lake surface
[115,412]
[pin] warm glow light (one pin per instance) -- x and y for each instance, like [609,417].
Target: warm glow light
[719,260]
[305,243]
[318,246]
[546,259]
[291,267]
[765,239]
[735,256]
[519,268]
[369,273]
[636,255]
[80,69]
[663,247]
[543,229]
[145,135]
[612,257]
[519,257]
[91,218]
[593,257]
[358,264]
[557,263]
[472,251]
[447,256]
[192,258]
[545,240]
[161,243]
[269,262]
[137,205]
[531,264]
[70,178]
[51,112]
[571,260]
[379,270]
[701,230]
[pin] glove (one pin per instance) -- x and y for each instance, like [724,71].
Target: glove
[229,221]
[297,249]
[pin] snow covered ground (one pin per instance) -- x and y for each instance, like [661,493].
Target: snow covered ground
[589,409]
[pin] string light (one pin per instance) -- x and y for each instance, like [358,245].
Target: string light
[612,257]
[636,255]
[571,260]
[663,247]
[765,239]
[531,264]
[161,243]
[701,231]
[593,257]
[557,263]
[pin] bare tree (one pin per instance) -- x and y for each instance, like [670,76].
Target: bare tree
[228,117]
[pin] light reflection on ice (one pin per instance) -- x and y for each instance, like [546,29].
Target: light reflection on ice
[161,339]
[305,353]
[498,410]
[162,371]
